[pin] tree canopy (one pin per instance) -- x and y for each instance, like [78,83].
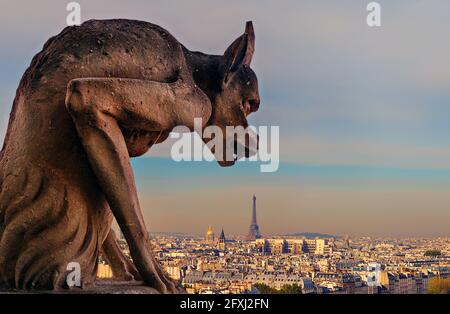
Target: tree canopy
[286,289]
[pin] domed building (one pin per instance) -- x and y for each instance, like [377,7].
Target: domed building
[209,237]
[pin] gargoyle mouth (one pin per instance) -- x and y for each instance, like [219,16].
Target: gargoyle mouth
[242,146]
[248,106]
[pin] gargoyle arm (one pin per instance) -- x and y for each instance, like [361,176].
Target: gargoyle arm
[98,106]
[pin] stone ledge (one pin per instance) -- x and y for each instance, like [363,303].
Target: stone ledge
[101,287]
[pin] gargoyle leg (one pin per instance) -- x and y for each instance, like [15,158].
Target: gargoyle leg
[97,106]
[122,267]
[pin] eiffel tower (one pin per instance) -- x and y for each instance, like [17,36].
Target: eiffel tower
[253,232]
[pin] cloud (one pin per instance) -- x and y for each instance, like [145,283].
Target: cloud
[319,150]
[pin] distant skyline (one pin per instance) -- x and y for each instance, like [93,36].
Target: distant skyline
[363,113]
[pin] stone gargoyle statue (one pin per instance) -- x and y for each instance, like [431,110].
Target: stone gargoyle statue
[96,95]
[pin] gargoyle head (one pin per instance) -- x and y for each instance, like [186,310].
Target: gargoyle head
[236,97]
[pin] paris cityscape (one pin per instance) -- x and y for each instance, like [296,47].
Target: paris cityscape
[304,263]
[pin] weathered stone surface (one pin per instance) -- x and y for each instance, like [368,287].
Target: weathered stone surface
[96,95]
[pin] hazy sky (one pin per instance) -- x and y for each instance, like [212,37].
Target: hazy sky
[363,113]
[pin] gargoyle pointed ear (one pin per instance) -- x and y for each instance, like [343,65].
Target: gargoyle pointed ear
[250,42]
[240,52]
